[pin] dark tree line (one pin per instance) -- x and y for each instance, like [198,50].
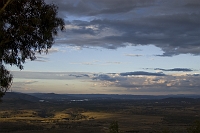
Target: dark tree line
[27,27]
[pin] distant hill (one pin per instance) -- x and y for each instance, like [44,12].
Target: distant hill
[35,97]
[53,96]
[180,100]
[10,96]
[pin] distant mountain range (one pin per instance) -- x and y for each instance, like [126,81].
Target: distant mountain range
[106,96]
[10,96]
[35,97]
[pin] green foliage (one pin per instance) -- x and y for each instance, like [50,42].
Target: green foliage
[195,128]
[26,27]
[114,128]
[5,80]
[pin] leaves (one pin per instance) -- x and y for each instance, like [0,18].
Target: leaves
[5,80]
[26,27]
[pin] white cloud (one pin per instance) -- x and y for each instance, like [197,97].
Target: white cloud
[133,55]
[123,82]
[53,50]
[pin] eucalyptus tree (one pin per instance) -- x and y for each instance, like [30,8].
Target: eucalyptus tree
[27,27]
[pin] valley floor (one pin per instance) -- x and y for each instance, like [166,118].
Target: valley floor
[133,116]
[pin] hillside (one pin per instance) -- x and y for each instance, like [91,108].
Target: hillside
[15,96]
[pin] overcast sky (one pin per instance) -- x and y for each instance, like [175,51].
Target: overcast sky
[119,47]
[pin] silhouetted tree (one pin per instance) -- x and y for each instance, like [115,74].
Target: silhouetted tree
[195,128]
[26,27]
[114,128]
[5,80]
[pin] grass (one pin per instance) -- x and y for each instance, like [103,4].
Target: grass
[88,118]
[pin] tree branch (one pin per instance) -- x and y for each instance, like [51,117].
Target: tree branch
[2,43]
[3,8]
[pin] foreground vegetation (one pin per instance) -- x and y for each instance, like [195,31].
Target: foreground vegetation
[98,116]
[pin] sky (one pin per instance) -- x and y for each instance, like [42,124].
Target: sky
[139,47]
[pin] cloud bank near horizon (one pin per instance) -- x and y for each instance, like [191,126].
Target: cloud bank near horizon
[128,82]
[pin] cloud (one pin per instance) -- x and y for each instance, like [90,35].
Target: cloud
[133,55]
[173,26]
[104,77]
[175,69]
[42,59]
[129,82]
[96,7]
[141,73]
[23,85]
[79,76]
[50,75]
[27,82]
[193,74]
[30,82]
[96,62]
[147,83]
[53,50]
[84,63]
[112,62]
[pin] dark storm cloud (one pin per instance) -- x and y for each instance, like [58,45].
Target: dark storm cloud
[172,25]
[175,69]
[142,73]
[96,7]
